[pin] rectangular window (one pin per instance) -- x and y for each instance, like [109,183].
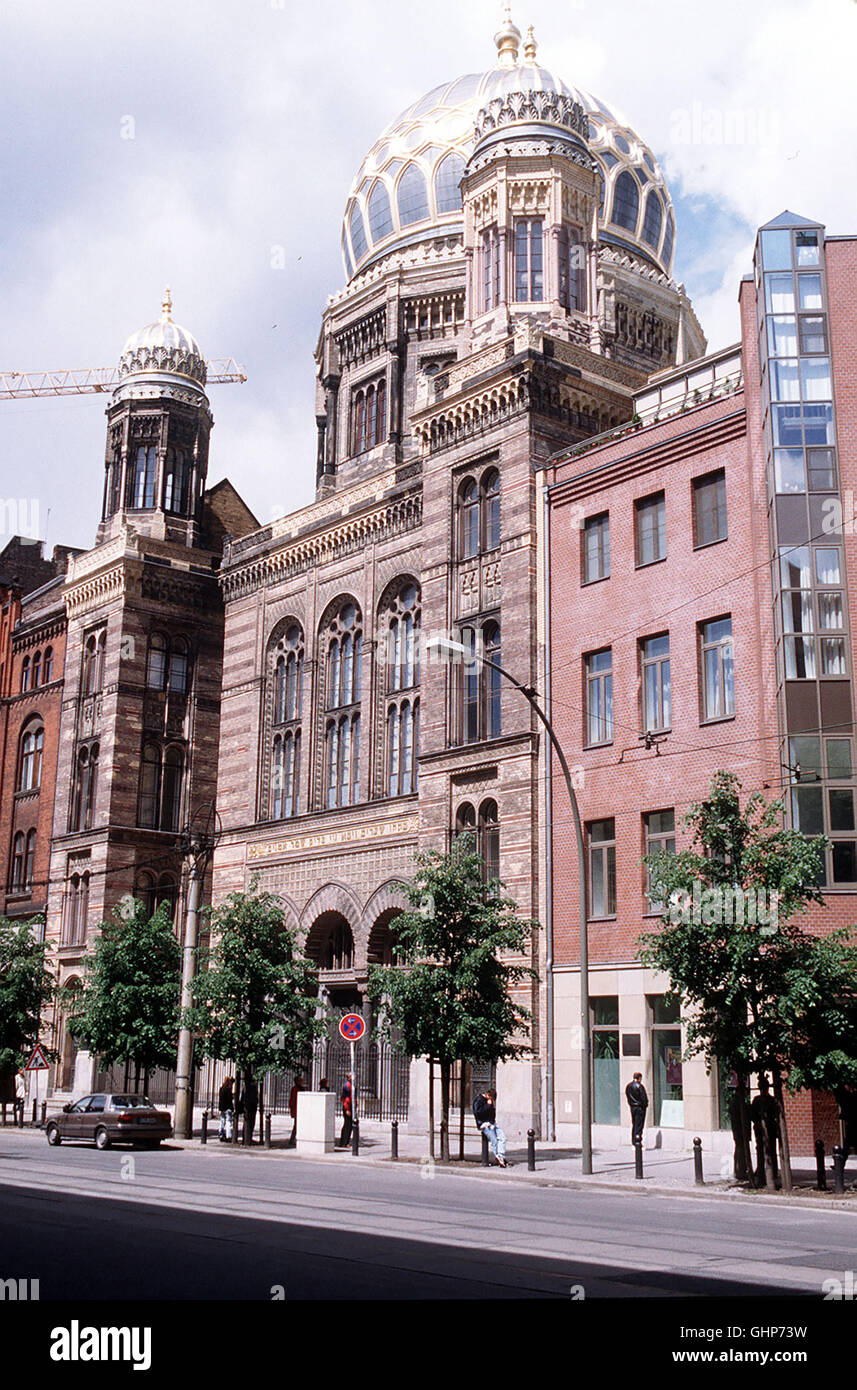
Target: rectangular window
[602,868]
[813,333]
[598,669]
[572,281]
[490,257]
[651,529]
[655,670]
[659,834]
[718,673]
[529,260]
[709,508]
[596,548]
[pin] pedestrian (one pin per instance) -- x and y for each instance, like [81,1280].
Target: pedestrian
[485,1114]
[638,1100]
[765,1117]
[293,1109]
[324,1084]
[345,1097]
[20,1093]
[848,1115]
[226,1106]
[250,1105]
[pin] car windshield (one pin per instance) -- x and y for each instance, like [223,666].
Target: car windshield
[132,1103]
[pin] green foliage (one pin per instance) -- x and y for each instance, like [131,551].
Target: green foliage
[255,1003]
[449,994]
[128,1008]
[26,985]
[759,994]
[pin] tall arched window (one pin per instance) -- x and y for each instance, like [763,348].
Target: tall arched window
[358,233]
[36,669]
[343,644]
[176,482]
[447,183]
[368,416]
[168,663]
[400,626]
[85,787]
[468,519]
[653,219]
[626,201]
[490,489]
[142,479]
[30,758]
[287,656]
[491,680]
[380,216]
[29,858]
[489,838]
[25,674]
[412,196]
[48,667]
[529,260]
[16,875]
[572,278]
[75,910]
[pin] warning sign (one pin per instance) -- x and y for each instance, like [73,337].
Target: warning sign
[38,1061]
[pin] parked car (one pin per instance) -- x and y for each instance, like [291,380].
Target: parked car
[111,1119]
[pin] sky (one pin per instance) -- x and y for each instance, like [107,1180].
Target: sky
[209,145]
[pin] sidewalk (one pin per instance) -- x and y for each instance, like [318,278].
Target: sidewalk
[664,1171]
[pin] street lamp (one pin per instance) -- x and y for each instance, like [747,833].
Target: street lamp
[449,650]
[197,846]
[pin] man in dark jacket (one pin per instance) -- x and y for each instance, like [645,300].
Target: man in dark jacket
[765,1117]
[226,1106]
[638,1100]
[848,1115]
[347,1119]
[293,1108]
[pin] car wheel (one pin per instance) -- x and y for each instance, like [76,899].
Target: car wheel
[53,1136]
[102,1138]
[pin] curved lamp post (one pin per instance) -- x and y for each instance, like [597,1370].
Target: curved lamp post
[451,652]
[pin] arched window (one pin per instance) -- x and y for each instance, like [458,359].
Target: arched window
[529,260]
[339,954]
[468,519]
[176,482]
[85,787]
[489,838]
[29,858]
[285,775]
[380,216]
[142,479]
[653,219]
[30,759]
[399,622]
[491,680]
[465,820]
[369,416]
[287,657]
[16,876]
[36,670]
[343,668]
[171,801]
[669,238]
[572,277]
[48,667]
[25,674]
[100,654]
[75,910]
[94,648]
[412,196]
[168,663]
[150,786]
[626,201]
[490,489]
[358,233]
[178,667]
[447,183]
[156,662]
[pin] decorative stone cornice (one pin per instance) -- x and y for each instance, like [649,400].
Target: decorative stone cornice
[384,523]
[90,593]
[522,108]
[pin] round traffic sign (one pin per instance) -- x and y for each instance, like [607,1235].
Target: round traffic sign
[352,1027]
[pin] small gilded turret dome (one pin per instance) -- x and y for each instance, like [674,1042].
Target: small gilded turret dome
[160,351]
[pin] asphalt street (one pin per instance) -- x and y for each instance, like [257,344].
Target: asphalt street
[190,1224]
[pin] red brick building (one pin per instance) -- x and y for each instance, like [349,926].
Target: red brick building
[698,617]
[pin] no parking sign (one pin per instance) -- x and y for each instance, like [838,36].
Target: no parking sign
[351,1028]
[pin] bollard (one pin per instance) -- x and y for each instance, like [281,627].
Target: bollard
[19,1118]
[44,1113]
[268,1130]
[531,1150]
[838,1169]
[234,1136]
[3,1109]
[821,1176]
[246,1136]
[485,1157]
[204,1135]
[35,1111]
[355,1139]
[394,1140]
[698,1175]
[638,1158]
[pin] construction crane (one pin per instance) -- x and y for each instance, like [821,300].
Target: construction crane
[21,385]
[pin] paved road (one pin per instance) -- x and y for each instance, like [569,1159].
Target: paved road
[188,1224]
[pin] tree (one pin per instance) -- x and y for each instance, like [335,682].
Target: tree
[448,995]
[729,941]
[128,1008]
[819,1014]
[255,1003]
[26,985]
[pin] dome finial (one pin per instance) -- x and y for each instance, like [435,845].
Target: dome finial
[507,39]
[166,306]
[530,46]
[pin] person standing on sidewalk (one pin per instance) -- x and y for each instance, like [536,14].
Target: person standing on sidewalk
[226,1106]
[638,1100]
[347,1117]
[485,1114]
[293,1108]
[765,1116]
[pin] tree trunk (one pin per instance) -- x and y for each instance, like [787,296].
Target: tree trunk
[461,1094]
[431,1107]
[127,1073]
[741,1132]
[785,1151]
[444,1106]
